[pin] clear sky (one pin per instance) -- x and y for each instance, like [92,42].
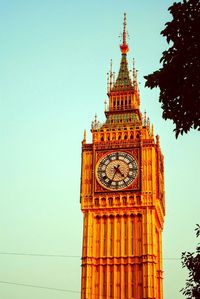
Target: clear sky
[54,56]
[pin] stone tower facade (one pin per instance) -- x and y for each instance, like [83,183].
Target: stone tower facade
[122,198]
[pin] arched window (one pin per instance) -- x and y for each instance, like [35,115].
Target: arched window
[110,200]
[103,201]
[138,199]
[131,198]
[117,201]
[124,200]
[96,201]
[113,136]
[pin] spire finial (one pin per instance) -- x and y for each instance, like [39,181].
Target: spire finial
[111,75]
[124,32]
[105,105]
[134,73]
[84,137]
[152,130]
[124,46]
[135,84]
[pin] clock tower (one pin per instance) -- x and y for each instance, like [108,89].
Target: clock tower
[122,198]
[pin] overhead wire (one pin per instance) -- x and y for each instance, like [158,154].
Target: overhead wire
[45,287]
[37,286]
[38,254]
[55,289]
[60,255]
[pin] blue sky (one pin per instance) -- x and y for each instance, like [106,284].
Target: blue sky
[54,59]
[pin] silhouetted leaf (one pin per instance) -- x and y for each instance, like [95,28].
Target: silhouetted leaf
[179,77]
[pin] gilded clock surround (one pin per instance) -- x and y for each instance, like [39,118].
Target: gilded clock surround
[122,228]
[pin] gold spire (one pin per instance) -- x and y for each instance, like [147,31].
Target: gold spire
[124,46]
[123,81]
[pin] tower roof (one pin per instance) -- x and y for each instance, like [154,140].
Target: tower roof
[123,81]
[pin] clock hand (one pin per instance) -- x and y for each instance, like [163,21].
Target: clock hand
[119,171]
[116,168]
[114,173]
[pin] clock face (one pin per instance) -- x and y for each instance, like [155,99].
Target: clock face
[116,170]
